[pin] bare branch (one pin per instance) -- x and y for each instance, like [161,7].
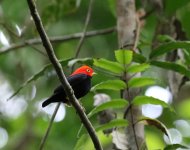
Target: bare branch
[61,75]
[49,127]
[137,33]
[85,28]
[38,50]
[56,39]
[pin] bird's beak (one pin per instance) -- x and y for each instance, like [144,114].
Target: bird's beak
[94,73]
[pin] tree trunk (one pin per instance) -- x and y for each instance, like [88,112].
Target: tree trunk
[127,29]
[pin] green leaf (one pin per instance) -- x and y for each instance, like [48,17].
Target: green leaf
[115,103]
[165,38]
[37,76]
[159,125]
[175,146]
[139,58]
[171,6]
[83,141]
[124,56]
[141,100]
[88,61]
[110,85]
[137,68]
[112,124]
[171,66]
[187,57]
[111,66]
[182,16]
[167,47]
[33,78]
[140,82]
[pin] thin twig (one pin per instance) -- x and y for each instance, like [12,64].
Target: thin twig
[81,41]
[127,111]
[61,75]
[49,127]
[130,108]
[133,127]
[148,13]
[39,51]
[9,29]
[137,34]
[85,28]
[134,48]
[132,117]
[56,39]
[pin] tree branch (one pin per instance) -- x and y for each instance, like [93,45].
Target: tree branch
[61,75]
[85,28]
[76,55]
[49,127]
[56,39]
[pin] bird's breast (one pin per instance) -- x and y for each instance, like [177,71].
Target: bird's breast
[83,88]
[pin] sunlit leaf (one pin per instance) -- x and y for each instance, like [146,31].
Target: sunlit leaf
[85,142]
[140,82]
[183,108]
[141,100]
[159,125]
[175,146]
[167,47]
[110,85]
[186,56]
[112,124]
[111,66]
[172,66]
[115,103]
[124,56]
[137,68]
[80,143]
[111,5]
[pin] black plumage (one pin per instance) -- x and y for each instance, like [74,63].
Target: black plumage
[80,83]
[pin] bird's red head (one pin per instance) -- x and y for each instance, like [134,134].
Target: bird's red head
[84,70]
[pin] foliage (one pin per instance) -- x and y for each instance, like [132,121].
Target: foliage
[29,77]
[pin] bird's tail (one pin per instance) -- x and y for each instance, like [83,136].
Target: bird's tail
[47,101]
[54,98]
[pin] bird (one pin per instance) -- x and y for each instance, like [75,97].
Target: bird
[80,81]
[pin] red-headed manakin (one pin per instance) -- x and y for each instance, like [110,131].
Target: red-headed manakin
[80,81]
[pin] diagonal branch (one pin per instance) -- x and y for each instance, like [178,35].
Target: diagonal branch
[76,55]
[49,127]
[61,75]
[56,39]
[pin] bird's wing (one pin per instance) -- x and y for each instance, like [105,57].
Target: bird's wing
[73,80]
[76,79]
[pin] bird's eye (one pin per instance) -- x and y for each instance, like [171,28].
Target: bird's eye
[88,70]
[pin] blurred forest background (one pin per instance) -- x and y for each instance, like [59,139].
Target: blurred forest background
[164,27]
